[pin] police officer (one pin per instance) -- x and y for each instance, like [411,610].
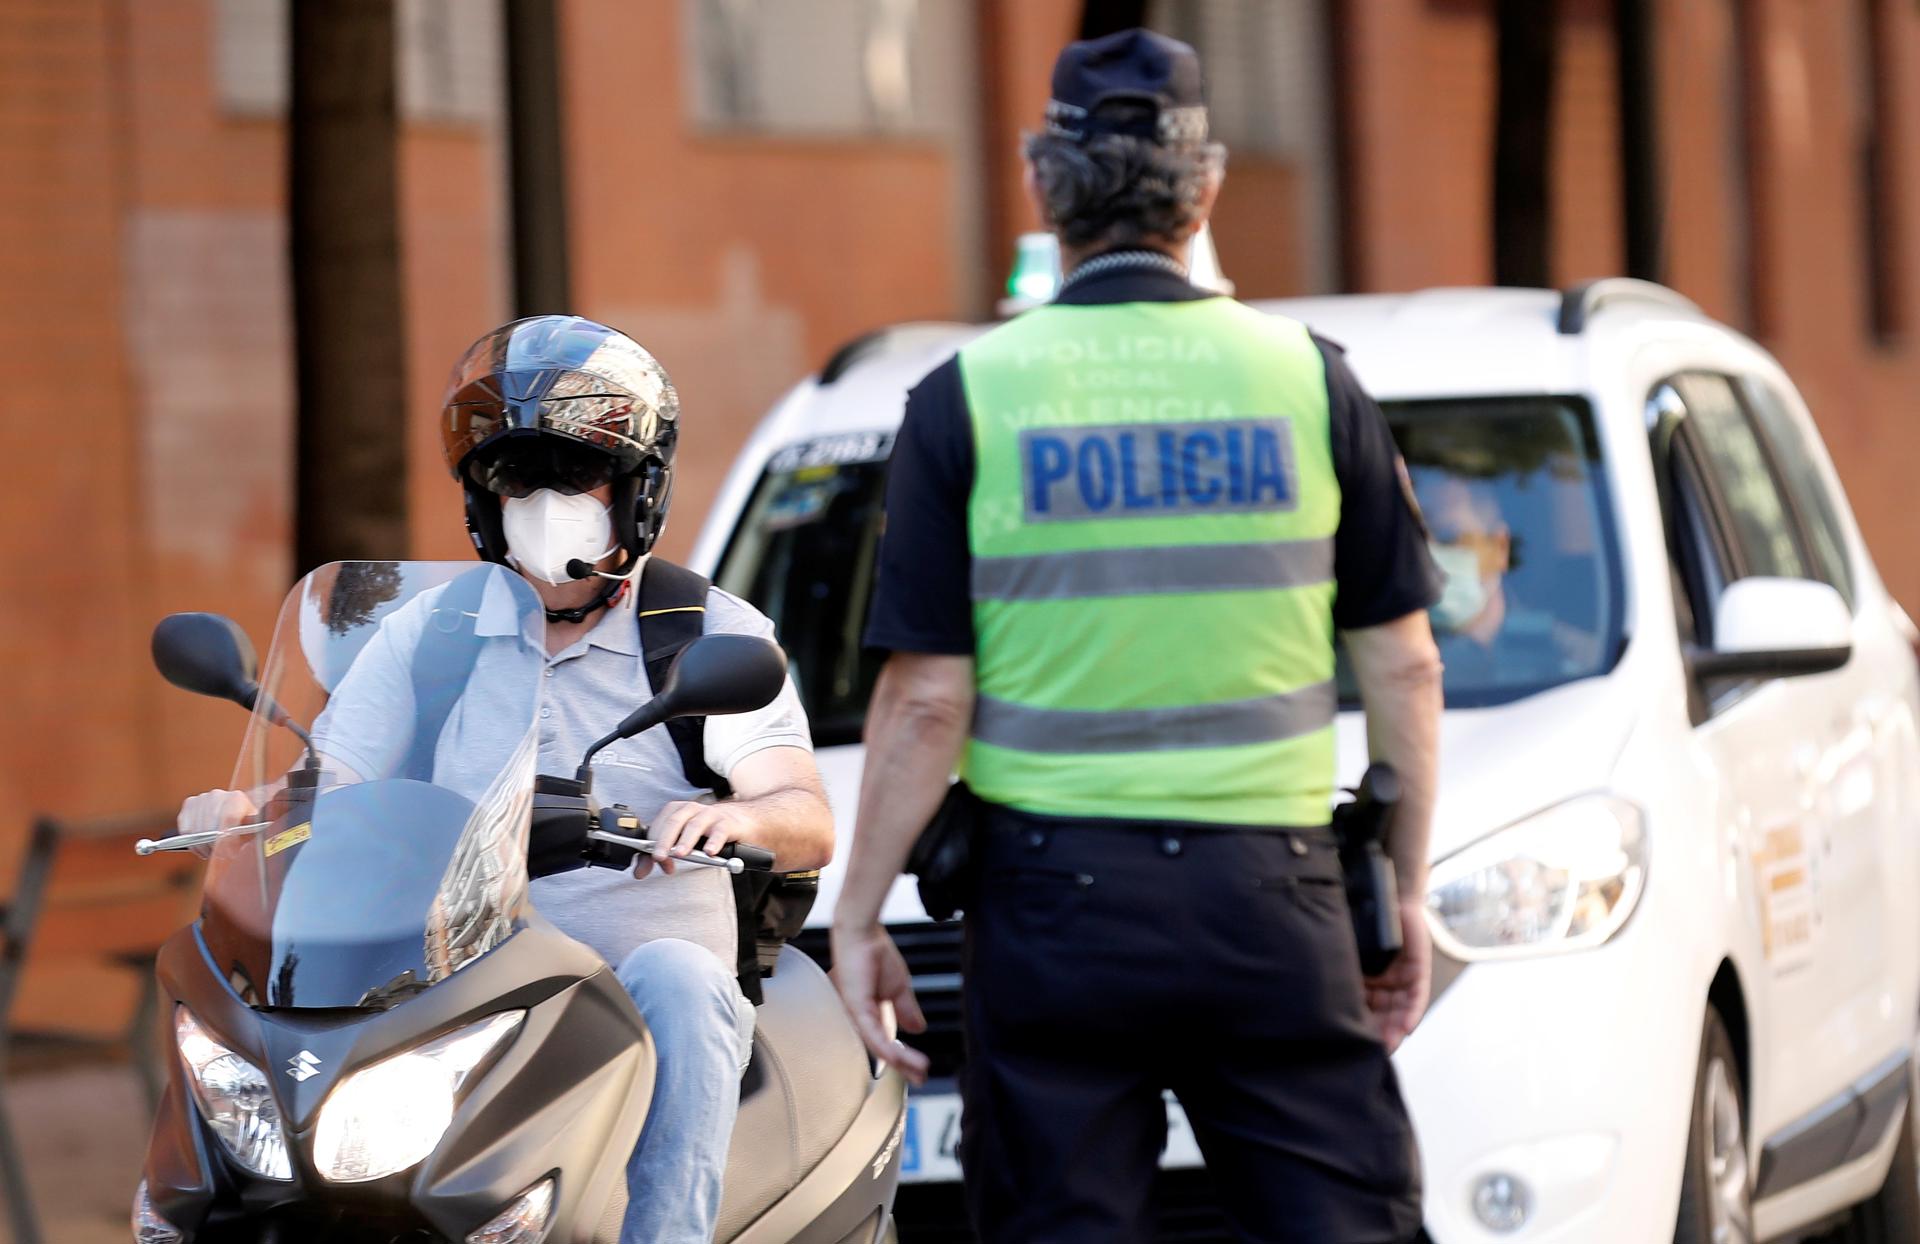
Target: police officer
[1122,532]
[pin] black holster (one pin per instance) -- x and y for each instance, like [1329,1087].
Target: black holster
[944,856]
[1373,893]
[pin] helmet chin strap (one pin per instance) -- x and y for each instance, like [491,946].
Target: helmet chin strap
[611,587]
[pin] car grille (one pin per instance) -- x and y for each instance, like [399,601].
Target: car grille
[932,952]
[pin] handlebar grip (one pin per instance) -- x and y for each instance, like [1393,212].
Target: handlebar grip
[755,859]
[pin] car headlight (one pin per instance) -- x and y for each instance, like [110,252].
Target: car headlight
[1563,879]
[385,1117]
[234,1099]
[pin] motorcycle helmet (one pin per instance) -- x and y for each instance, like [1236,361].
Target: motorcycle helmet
[558,401]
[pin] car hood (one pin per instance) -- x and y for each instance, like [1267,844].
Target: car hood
[1497,765]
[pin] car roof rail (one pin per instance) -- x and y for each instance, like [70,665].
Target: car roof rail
[1582,302]
[843,359]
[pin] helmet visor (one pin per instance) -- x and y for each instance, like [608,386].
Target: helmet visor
[606,424]
[522,467]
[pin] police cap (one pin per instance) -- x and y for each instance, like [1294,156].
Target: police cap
[1135,83]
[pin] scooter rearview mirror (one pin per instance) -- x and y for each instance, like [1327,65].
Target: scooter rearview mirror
[719,674]
[713,675]
[208,655]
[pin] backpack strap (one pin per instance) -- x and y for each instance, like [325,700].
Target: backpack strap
[442,663]
[672,614]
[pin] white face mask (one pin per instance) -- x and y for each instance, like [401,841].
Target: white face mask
[1462,595]
[547,530]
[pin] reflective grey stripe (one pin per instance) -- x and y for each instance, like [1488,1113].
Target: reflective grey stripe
[1132,572]
[1266,720]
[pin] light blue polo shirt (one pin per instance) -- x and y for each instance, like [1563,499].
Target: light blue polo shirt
[570,699]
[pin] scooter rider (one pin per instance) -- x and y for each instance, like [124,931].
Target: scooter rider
[1122,532]
[562,431]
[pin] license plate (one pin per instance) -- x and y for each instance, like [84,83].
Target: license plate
[929,1150]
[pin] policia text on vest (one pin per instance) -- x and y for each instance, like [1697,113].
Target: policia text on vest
[1124,470]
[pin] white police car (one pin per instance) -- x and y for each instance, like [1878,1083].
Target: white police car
[1675,858]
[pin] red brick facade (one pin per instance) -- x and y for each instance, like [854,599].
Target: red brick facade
[145,386]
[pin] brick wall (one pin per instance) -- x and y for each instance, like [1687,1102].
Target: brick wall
[145,387]
[1420,99]
[146,413]
[1759,180]
[71,509]
[1810,260]
[741,260]
[1588,239]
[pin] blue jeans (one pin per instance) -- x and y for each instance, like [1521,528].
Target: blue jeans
[702,1033]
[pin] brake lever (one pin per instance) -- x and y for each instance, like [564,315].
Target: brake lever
[187,842]
[645,847]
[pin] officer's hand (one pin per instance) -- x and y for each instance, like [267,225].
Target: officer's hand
[869,972]
[1398,996]
[688,826]
[214,810]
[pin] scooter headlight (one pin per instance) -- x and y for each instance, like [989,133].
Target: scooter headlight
[1563,879]
[234,1099]
[388,1116]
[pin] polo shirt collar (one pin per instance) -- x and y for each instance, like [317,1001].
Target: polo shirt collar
[500,613]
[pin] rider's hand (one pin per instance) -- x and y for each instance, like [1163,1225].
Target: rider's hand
[214,810]
[1398,996]
[869,972]
[684,827]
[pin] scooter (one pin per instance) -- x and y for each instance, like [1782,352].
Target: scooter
[376,1037]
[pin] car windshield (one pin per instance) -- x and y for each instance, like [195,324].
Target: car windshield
[391,852]
[1514,499]
[804,554]
[1512,489]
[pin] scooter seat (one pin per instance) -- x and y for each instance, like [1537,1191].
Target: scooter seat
[808,1079]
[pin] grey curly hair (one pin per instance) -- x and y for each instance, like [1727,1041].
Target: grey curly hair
[1122,190]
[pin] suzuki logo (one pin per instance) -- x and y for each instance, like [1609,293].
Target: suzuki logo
[303,1066]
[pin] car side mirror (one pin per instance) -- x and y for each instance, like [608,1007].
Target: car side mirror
[1777,628]
[208,655]
[712,676]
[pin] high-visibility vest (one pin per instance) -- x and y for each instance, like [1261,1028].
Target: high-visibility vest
[1151,526]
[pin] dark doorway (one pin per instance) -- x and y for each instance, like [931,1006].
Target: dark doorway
[536,159]
[1523,142]
[1640,186]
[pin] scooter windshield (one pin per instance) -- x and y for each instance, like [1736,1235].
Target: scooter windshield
[379,836]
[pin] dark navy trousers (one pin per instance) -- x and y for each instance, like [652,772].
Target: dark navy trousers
[1107,962]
